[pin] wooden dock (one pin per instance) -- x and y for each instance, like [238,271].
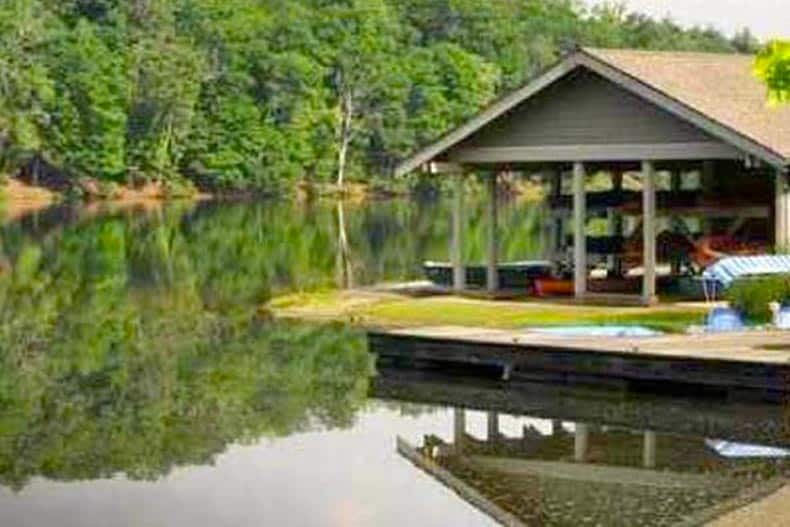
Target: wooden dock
[749,360]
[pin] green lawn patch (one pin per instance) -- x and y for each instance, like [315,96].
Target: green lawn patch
[397,311]
[424,312]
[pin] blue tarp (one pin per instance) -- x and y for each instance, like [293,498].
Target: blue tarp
[782,320]
[722,319]
[727,270]
[598,331]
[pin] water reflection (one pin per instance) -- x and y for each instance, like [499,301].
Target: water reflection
[141,383]
[302,246]
[574,456]
[134,345]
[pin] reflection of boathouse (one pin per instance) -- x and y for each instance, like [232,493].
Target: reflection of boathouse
[606,469]
[656,163]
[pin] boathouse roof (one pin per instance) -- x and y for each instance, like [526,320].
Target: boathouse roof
[678,94]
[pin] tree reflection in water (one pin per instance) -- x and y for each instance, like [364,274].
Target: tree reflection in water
[136,346]
[134,341]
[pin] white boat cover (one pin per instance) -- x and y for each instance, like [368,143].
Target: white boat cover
[727,270]
[740,450]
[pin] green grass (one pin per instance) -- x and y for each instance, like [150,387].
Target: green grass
[304,300]
[389,310]
[491,314]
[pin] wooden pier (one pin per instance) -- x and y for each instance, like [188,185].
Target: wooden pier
[749,360]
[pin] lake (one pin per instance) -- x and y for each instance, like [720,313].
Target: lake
[140,385]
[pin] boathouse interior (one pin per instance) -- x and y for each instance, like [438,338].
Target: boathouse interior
[655,165]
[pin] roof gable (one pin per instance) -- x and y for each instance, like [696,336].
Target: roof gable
[721,87]
[584,108]
[717,93]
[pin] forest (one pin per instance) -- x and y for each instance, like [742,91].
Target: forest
[262,94]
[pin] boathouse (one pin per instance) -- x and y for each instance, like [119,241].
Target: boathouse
[694,129]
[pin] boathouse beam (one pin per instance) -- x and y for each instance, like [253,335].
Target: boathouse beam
[579,230]
[459,429]
[649,232]
[649,450]
[708,187]
[782,211]
[580,442]
[492,422]
[615,224]
[556,225]
[456,243]
[492,273]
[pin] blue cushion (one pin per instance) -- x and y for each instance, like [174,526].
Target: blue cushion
[724,319]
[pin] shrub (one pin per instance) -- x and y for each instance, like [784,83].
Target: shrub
[109,190]
[751,297]
[178,188]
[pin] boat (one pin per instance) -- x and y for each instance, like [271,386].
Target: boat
[512,275]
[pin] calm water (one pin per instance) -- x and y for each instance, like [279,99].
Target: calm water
[140,386]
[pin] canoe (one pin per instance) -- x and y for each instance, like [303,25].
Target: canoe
[559,287]
[512,275]
[553,287]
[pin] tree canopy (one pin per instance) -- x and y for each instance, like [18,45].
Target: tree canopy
[248,94]
[773,66]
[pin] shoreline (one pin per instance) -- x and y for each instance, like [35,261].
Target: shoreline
[18,197]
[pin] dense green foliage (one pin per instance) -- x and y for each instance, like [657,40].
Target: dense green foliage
[773,66]
[256,94]
[752,297]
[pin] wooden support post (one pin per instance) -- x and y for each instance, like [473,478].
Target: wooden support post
[492,420]
[580,442]
[708,187]
[459,429]
[649,450]
[782,212]
[649,232]
[556,427]
[676,181]
[579,230]
[456,246]
[492,272]
[615,226]
[676,221]
[556,234]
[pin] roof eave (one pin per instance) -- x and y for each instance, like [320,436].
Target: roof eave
[679,109]
[609,71]
[499,107]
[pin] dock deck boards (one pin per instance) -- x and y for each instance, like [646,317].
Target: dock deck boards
[750,360]
[748,346]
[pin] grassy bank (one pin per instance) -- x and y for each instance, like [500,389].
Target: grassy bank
[373,309]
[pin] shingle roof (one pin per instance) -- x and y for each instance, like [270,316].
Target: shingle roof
[718,92]
[722,87]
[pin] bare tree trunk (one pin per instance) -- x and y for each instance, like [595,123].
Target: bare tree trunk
[345,134]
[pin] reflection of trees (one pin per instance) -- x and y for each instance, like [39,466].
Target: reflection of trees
[307,247]
[131,348]
[345,267]
[127,344]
